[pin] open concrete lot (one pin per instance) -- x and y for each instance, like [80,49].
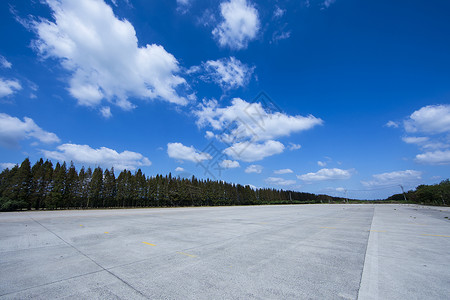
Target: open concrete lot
[256,252]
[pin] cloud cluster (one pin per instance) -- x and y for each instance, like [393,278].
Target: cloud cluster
[229,164]
[13,130]
[9,87]
[250,152]
[7,165]
[4,63]
[228,73]
[249,129]
[103,156]
[393,178]
[182,152]
[432,122]
[102,55]
[283,171]
[254,169]
[240,24]
[326,174]
[280,181]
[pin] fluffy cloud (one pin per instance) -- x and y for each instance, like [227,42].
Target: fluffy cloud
[7,165]
[321,163]
[229,164]
[102,54]
[250,152]
[182,152]
[179,169]
[415,140]
[254,169]
[283,171]
[326,174]
[391,124]
[278,12]
[328,3]
[252,121]
[431,119]
[434,121]
[293,146]
[228,73]
[279,181]
[4,63]
[434,158]
[103,156]
[106,112]
[240,24]
[393,178]
[9,87]
[13,130]
[249,129]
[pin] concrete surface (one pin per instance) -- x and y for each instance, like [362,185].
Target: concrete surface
[256,252]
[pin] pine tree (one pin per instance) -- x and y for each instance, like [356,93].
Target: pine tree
[96,188]
[71,187]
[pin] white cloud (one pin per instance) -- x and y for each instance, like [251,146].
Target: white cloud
[280,35]
[279,181]
[434,158]
[229,164]
[240,24]
[431,119]
[415,140]
[250,152]
[283,171]
[179,151]
[326,174]
[183,6]
[102,54]
[328,3]
[102,156]
[278,12]
[13,130]
[5,63]
[252,121]
[179,169]
[391,124]
[393,178]
[340,189]
[7,165]
[321,163]
[9,87]
[228,73]
[106,112]
[293,146]
[254,169]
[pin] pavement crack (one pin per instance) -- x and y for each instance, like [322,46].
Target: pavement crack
[91,259]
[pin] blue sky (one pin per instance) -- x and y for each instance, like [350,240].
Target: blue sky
[341,97]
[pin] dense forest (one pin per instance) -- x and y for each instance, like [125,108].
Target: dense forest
[437,194]
[44,186]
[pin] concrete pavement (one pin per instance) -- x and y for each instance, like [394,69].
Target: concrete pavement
[252,252]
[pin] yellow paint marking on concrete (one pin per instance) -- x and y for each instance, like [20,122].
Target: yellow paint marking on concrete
[106,232]
[148,244]
[329,227]
[378,230]
[436,235]
[187,254]
[81,225]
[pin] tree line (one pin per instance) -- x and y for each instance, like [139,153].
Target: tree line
[45,186]
[436,194]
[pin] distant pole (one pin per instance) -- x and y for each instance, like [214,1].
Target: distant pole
[346,197]
[404,195]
